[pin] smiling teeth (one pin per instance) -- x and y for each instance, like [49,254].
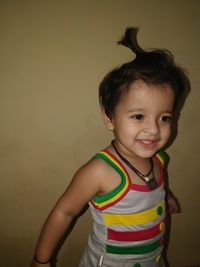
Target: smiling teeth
[147,142]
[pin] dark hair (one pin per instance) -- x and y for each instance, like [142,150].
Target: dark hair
[155,67]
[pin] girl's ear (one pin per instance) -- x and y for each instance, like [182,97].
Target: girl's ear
[107,121]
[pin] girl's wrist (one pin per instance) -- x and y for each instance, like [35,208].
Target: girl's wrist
[35,259]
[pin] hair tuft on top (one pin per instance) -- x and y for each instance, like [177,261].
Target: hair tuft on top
[130,40]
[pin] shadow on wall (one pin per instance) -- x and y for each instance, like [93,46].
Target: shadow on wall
[186,85]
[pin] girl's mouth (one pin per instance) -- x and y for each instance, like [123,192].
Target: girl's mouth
[147,142]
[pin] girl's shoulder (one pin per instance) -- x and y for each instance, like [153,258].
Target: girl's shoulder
[98,172]
[95,169]
[96,165]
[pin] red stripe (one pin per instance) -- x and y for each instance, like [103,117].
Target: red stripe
[140,235]
[160,180]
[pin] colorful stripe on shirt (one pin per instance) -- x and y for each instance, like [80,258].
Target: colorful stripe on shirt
[162,157]
[135,218]
[135,236]
[139,249]
[109,199]
[102,202]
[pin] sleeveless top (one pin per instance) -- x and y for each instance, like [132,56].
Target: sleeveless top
[129,221]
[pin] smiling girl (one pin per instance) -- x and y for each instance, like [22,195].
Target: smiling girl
[124,183]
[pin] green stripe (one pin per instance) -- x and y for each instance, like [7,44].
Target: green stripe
[142,249]
[164,156]
[100,199]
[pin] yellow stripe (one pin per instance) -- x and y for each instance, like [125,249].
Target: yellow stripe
[118,195]
[136,218]
[114,161]
[160,158]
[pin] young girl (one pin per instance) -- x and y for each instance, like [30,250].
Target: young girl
[124,183]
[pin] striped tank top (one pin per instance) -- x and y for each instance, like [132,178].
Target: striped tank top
[129,221]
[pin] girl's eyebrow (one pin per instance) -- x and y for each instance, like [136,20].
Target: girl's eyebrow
[142,110]
[135,110]
[168,112]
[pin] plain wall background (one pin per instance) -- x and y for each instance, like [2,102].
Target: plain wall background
[53,55]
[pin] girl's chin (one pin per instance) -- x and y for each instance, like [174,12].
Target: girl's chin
[147,153]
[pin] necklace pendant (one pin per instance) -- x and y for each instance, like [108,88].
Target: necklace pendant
[146,179]
[136,171]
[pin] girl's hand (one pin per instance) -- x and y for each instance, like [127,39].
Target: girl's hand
[173,205]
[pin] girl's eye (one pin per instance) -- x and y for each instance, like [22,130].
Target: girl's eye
[166,118]
[138,116]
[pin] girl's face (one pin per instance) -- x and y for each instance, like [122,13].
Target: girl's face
[141,121]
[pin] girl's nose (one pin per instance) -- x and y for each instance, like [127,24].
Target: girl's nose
[152,127]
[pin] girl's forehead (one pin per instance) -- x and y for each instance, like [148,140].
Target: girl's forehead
[139,84]
[142,95]
[140,89]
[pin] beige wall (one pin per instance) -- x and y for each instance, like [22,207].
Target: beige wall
[53,56]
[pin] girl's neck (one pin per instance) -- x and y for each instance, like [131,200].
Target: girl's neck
[142,164]
[147,177]
[130,156]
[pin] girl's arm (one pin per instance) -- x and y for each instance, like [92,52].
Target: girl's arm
[85,184]
[172,202]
